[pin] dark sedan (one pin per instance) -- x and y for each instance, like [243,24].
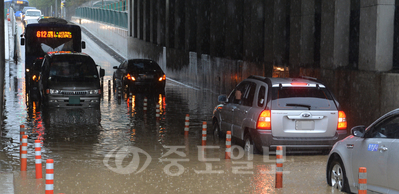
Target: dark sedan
[135,74]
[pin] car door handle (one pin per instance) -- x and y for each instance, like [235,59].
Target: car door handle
[383,149]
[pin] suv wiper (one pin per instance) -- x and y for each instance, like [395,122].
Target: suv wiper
[301,105]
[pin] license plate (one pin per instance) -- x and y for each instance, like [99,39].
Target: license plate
[304,125]
[147,76]
[74,99]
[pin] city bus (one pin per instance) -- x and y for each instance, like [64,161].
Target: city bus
[18,6]
[48,35]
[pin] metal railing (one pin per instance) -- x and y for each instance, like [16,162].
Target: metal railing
[117,6]
[117,18]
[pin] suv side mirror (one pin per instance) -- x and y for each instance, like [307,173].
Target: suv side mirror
[358,131]
[102,72]
[22,41]
[83,44]
[222,98]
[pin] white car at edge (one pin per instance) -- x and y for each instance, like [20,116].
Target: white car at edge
[376,148]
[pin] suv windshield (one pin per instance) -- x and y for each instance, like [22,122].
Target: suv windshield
[33,13]
[76,68]
[302,98]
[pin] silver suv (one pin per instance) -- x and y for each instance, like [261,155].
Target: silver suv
[263,112]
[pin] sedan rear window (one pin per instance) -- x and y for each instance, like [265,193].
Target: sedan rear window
[302,98]
[143,66]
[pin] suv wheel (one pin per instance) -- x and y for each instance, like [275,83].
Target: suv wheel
[216,131]
[249,145]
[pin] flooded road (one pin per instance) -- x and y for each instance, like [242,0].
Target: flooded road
[123,148]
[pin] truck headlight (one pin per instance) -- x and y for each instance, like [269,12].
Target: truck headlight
[94,92]
[54,91]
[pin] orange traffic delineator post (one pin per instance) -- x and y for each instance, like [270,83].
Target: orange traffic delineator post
[228,145]
[204,130]
[279,167]
[186,125]
[157,115]
[38,159]
[49,176]
[24,152]
[362,180]
[21,133]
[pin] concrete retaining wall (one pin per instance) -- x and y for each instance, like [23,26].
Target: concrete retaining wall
[114,37]
[363,95]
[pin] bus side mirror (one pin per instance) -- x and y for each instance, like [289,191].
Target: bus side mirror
[102,72]
[83,44]
[22,41]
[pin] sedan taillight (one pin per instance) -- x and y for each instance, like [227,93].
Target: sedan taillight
[162,78]
[342,124]
[264,120]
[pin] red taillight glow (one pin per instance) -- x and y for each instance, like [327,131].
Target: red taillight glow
[162,78]
[342,124]
[298,84]
[48,91]
[129,77]
[264,120]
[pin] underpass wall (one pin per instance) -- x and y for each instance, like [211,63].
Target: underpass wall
[363,95]
[113,36]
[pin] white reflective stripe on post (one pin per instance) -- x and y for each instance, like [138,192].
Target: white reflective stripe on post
[49,165]
[50,176]
[49,187]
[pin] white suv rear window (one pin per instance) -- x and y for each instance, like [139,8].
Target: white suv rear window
[302,98]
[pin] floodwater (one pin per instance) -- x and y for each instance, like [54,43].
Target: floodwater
[123,148]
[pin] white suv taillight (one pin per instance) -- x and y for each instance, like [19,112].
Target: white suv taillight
[342,124]
[264,120]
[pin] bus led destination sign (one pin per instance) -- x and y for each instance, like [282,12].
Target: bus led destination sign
[53,34]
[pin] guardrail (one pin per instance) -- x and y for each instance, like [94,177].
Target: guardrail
[116,18]
[119,6]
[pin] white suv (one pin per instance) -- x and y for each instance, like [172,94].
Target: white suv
[292,112]
[32,14]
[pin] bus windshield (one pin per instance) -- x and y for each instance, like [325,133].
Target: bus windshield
[43,38]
